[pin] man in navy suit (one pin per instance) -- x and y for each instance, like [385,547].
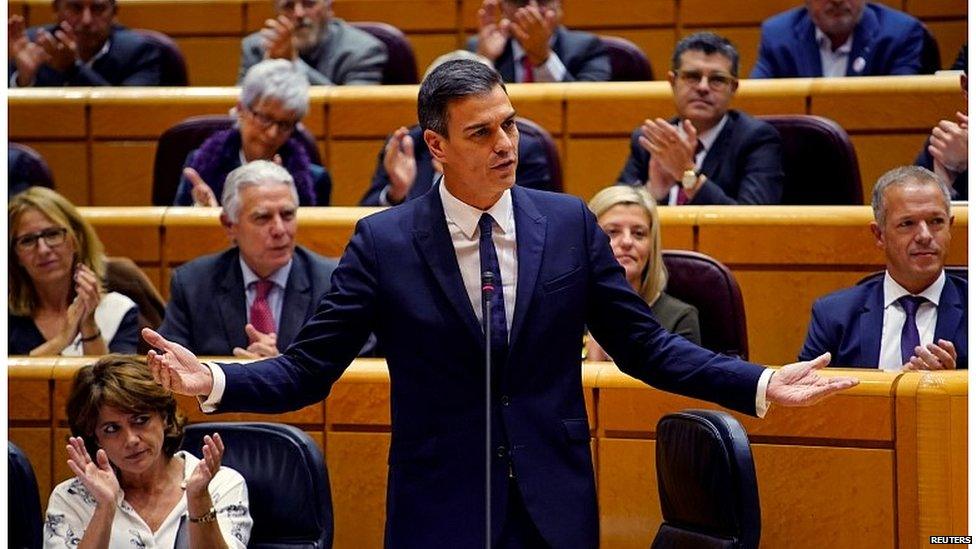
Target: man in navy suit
[83,48]
[216,300]
[708,154]
[414,275]
[527,43]
[915,315]
[839,38]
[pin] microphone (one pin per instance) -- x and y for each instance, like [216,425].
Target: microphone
[487,290]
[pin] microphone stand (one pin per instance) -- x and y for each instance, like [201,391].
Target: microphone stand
[487,289]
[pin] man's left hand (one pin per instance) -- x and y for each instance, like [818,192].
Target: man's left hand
[261,345]
[533,27]
[798,384]
[933,356]
[279,39]
[61,48]
[674,152]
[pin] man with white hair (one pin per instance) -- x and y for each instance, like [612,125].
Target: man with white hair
[250,300]
[327,49]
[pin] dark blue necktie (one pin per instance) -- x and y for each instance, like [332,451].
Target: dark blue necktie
[909,332]
[489,263]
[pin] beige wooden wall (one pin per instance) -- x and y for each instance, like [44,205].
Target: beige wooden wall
[209,31]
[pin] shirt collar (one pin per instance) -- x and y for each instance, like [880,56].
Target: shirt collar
[894,290]
[708,136]
[466,217]
[279,278]
[824,43]
[100,54]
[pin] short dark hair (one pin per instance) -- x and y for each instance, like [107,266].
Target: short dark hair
[452,80]
[709,43]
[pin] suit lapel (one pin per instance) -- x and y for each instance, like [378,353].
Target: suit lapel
[231,300]
[869,329]
[809,63]
[530,234]
[715,155]
[298,294]
[506,63]
[434,242]
[951,311]
[864,36]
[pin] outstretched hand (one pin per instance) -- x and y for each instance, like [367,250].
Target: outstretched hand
[175,368]
[798,384]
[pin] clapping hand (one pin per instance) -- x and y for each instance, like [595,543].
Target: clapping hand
[400,165]
[97,476]
[61,48]
[798,384]
[533,27]
[933,356]
[261,345]
[27,56]
[203,473]
[278,37]
[492,33]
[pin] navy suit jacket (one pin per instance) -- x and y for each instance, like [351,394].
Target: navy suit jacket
[743,166]
[207,308]
[131,60]
[532,170]
[888,41]
[848,323]
[581,53]
[400,277]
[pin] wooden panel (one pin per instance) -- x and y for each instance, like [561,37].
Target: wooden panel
[905,103]
[327,230]
[427,47]
[357,473]
[592,164]
[371,111]
[211,61]
[59,471]
[17,7]
[185,17]
[617,13]
[255,12]
[779,96]
[69,166]
[630,509]
[936,8]
[745,40]
[542,103]
[876,154]
[707,12]
[599,109]
[950,35]
[122,173]
[28,399]
[31,113]
[112,111]
[129,232]
[191,232]
[36,444]
[656,44]
[353,170]
[778,307]
[406,15]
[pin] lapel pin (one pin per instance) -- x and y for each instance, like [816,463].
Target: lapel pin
[859,64]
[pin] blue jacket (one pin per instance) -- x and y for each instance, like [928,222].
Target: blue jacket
[848,323]
[399,276]
[889,42]
[582,54]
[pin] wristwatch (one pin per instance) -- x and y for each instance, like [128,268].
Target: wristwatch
[689,179]
[206,518]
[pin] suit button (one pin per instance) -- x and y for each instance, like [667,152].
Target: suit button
[505,400]
[501,451]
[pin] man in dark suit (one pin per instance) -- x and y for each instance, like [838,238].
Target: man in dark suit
[708,154]
[839,38]
[252,299]
[83,48]
[915,315]
[414,275]
[527,43]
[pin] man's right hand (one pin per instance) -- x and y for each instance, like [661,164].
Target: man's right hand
[175,368]
[492,33]
[278,35]
[261,345]
[27,56]
[400,165]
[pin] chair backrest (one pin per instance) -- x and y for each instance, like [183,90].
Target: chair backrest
[931,58]
[287,481]
[23,502]
[401,64]
[173,71]
[958,271]
[627,62]
[706,283]
[530,128]
[706,481]
[122,275]
[177,142]
[26,168]
[819,161]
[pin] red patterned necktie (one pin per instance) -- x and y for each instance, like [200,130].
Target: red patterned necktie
[527,74]
[261,317]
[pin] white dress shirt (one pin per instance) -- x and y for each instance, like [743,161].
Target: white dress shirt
[707,139]
[552,70]
[834,62]
[894,319]
[276,296]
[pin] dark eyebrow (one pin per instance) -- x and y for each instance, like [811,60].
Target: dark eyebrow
[479,125]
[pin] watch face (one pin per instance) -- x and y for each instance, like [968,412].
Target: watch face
[688,179]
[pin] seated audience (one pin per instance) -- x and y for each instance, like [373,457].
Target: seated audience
[137,490]
[629,217]
[56,303]
[84,47]
[249,300]
[708,154]
[946,151]
[527,43]
[274,99]
[326,49]
[405,168]
[839,38]
[914,316]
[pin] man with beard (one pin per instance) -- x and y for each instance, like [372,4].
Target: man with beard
[329,50]
[83,48]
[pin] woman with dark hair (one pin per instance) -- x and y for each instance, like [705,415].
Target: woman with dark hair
[139,490]
[274,99]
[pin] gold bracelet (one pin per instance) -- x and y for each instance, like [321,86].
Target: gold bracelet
[206,518]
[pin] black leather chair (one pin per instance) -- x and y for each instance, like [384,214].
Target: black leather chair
[401,64]
[707,483]
[627,62]
[819,161]
[177,142]
[706,283]
[931,58]
[23,502]
[287,481]
[173,71]
[26,168]
[528,127]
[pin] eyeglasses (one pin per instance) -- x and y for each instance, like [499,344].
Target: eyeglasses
[716,81]
[265,121]
[288,6]
[54,236]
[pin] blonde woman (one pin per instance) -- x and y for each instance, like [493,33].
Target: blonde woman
[629,217]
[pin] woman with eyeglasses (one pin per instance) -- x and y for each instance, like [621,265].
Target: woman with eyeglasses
[56,304]
[274,99]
